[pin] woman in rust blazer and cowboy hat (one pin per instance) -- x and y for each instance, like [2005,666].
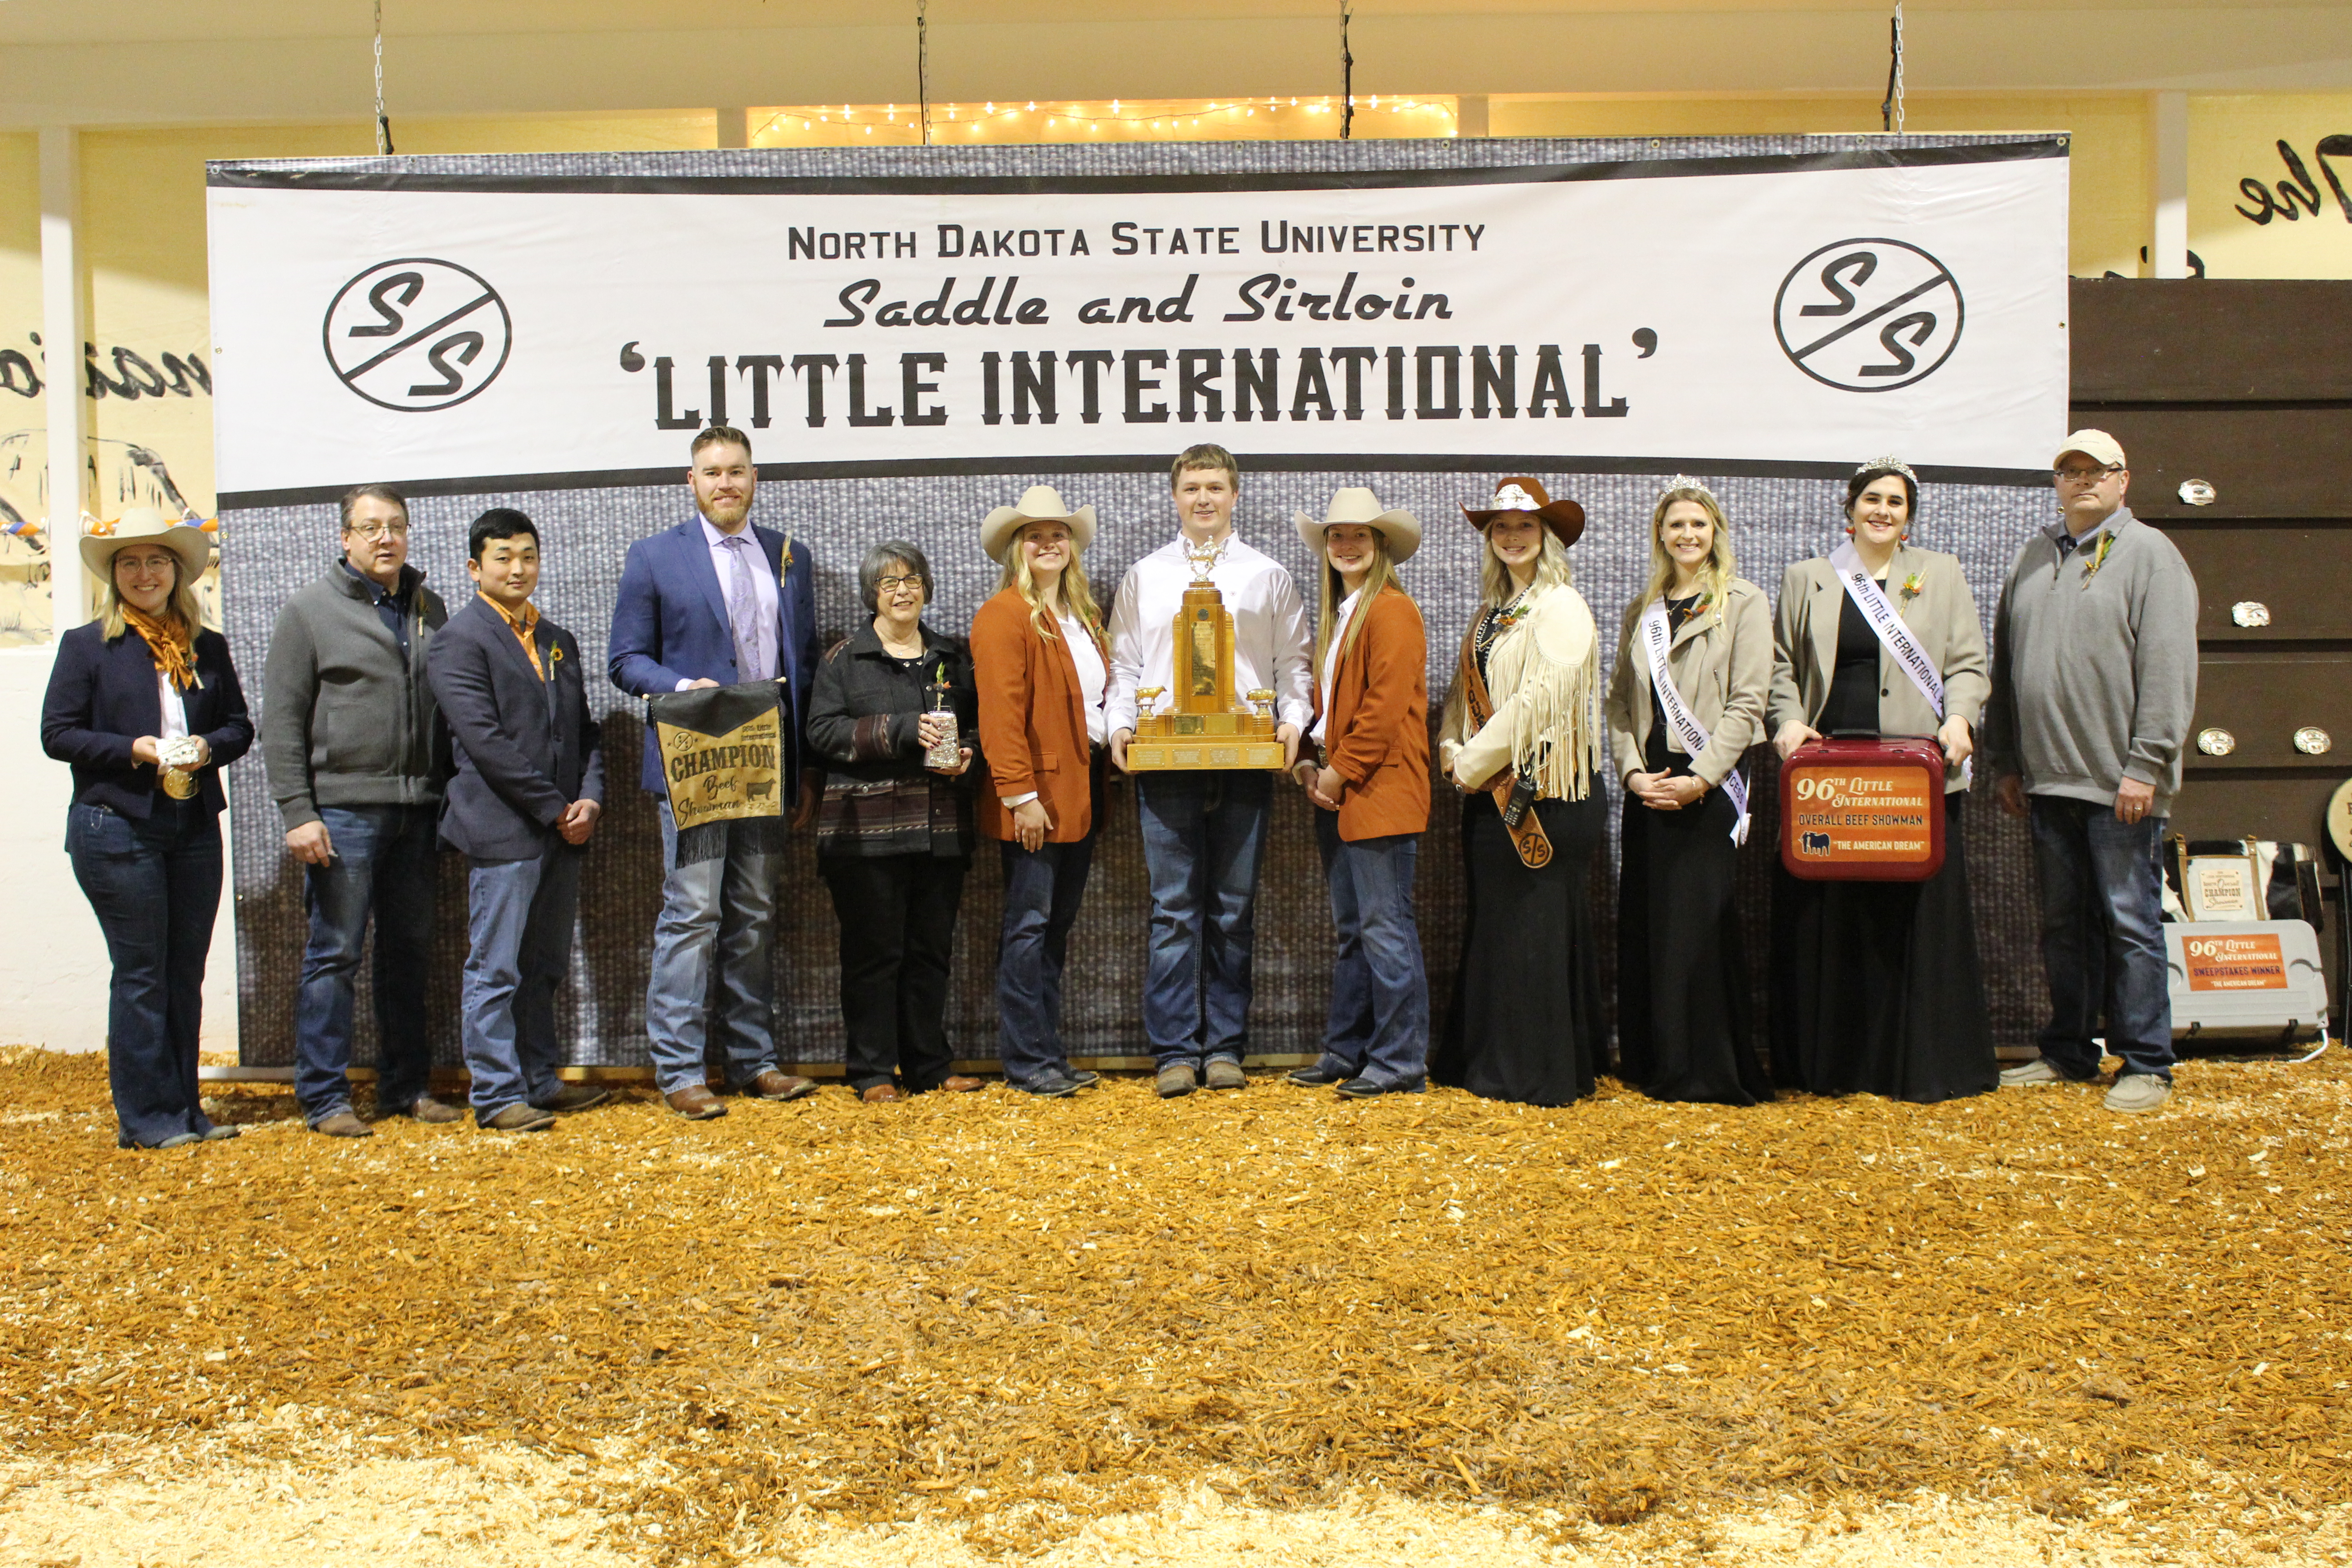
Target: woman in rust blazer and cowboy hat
[144,704]
[1368,778]
[1694,666]
[1522,738]
[1875,987]
[1039,660]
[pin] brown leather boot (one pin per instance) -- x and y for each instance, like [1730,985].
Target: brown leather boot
[772,1083]
[695,1102]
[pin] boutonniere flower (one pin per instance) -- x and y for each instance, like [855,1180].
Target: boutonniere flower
[2099,556]
[1913,586]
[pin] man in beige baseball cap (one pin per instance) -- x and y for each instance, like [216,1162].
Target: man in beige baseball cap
[2094,684]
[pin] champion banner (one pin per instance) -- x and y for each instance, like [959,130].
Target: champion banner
[912,335]
[723,761]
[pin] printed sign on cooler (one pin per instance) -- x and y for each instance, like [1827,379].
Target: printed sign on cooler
[2234,962]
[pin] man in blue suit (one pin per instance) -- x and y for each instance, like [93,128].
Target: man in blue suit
[718,601]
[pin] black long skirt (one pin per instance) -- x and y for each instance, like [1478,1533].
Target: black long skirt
[1681,969]
[1875,987]
[1525,1020]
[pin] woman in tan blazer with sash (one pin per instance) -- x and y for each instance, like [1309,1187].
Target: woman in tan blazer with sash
[1521,738]
[1041,665]
[1683,1025]
[1368,775]
[1875,987]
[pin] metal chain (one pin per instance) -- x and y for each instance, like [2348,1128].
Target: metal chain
[923,65]
[382,126]
[1347,75]
[1899,66]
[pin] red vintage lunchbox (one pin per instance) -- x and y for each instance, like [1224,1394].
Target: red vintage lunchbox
[1863,811]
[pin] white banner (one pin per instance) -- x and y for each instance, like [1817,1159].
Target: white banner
[1759,314]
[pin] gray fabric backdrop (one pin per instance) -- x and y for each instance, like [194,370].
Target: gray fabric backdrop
[268,552]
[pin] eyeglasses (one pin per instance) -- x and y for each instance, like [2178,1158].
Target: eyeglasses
[892,585]
[2084,476]
[372,532]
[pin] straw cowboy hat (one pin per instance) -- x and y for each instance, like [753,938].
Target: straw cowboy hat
[1399,527]
[1520,493]
[1039,503]
[146,525]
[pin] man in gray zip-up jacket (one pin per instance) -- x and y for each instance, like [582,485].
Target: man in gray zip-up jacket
[357,755]
[2093,688]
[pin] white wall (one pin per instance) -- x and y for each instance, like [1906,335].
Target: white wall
[53,968]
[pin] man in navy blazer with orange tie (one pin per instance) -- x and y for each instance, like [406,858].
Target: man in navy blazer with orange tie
[716,601]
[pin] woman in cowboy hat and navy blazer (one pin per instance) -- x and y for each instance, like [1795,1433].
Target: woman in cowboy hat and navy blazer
[145,707]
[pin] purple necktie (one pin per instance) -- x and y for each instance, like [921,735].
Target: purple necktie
[751,629]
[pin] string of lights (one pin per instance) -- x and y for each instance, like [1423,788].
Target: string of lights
[1167,118]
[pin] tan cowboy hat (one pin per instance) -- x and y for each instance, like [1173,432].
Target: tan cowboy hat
[1520,493]
[146,525]
[1399,527]
[1039,503]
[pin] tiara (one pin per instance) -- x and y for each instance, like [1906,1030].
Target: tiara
[1685,482]
[1888,466]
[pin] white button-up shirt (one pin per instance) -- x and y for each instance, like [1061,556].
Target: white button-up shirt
[1273,640]
[1331,661]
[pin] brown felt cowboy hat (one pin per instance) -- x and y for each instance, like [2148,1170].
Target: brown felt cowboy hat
[146,525]
[1520,493]
[1039,503]
[1398,526]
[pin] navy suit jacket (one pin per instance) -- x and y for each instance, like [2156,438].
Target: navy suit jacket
[527,748]
[102,697]
[669,624]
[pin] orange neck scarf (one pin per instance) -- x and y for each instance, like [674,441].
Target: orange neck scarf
[171,646]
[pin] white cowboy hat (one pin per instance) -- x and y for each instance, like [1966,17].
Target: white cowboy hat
[1519,492]
[1039,503]
[1399,527]
[146,525]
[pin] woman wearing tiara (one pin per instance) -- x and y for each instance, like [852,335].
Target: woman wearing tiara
[1522,738]
[1875,987]
[1694,666]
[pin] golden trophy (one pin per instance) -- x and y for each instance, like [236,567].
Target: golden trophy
[1205,727]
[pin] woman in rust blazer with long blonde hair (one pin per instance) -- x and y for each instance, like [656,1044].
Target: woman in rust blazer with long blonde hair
[1370,780]
[1041,665]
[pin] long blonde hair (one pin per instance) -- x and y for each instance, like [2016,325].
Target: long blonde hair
[1715,576]
[1496,587]
[1075,596]
[182,608]
[1379,577]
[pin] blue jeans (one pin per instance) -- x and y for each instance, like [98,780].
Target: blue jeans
[383,867]
[1379,1027]
[2103,937]
[718,919]
[1203,841]
[1043,890]
[155,888]
[519,937]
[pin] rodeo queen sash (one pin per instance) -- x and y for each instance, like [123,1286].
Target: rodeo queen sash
[1657,641]
[1892,634]
[1513,796]
[722,760]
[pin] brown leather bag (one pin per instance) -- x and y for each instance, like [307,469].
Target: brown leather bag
[1527,837]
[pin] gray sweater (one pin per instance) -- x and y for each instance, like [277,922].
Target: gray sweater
[2095,673]
[345,719]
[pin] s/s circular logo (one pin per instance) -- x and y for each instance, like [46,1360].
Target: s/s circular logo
[417,334]
[1868,315]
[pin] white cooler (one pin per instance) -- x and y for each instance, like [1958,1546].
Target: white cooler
[2246,981]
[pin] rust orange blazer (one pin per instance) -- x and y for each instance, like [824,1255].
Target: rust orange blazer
[1032,721]
[1376,724]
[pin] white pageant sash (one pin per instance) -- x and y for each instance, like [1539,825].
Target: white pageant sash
[1871,601]
[1657,641]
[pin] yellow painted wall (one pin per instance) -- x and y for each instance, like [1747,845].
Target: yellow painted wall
[2236,139]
